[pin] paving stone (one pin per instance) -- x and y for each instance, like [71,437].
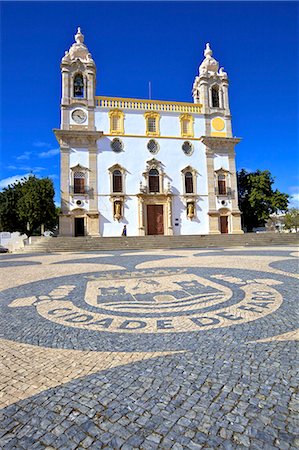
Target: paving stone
[206,386]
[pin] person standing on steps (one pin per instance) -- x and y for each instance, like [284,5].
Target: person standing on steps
[124,232]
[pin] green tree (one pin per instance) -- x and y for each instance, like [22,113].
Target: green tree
[291,219]
[257,199]
[27,204]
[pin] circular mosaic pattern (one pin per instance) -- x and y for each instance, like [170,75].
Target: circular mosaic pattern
[187,148]
[143,308]
[153,146]
[117,145]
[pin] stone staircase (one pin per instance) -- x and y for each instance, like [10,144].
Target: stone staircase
[87,244]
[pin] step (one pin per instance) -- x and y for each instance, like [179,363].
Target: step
[78,244]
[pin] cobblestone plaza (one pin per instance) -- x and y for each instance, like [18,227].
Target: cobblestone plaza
[181,349]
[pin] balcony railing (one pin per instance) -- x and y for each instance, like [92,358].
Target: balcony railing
[147,105]
[86,190]
[146,190]
[227,192]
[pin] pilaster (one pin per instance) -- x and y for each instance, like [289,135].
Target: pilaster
[65,225]
[233,179]
[210,179]
[64,178]
[93,182]
[236,223]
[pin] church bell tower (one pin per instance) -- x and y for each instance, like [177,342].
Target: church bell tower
[210,88]
[78,87]
[77,137]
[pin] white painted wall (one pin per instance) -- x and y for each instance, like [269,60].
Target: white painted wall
[79,156]
[221,161]
[134,158]
[134,122]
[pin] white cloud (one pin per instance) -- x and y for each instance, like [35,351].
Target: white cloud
[14,179]
[32,169]
[54,176]
[26,168]
[49,153]
[41,144]
[25,155]
[294,201]
[294,197]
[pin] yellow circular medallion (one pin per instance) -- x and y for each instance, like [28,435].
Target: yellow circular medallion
[218,124]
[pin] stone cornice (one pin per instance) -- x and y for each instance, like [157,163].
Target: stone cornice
[214,142]
[78,138]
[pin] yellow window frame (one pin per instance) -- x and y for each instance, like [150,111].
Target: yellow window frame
[117,113]
[190,130]
[156,116]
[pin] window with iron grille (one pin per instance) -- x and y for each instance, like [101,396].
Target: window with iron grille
[153,180]
[117,181]
[187,148]
[151,125]
[117,145]
[115,123]
[185,126]
[188,183]
[153,146]
[79,183]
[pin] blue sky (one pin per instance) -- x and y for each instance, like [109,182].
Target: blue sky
[134,42]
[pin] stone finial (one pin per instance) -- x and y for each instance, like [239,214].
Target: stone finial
[209,64]
[66,57]
[222,72]
[208,50]
[79,37]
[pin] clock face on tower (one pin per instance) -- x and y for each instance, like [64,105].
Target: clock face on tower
[79,116]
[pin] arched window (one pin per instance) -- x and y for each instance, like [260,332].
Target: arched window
[215,96]
[79,183]
[221,185]
[188,183]
[117,181]
[153,180]
[78,86]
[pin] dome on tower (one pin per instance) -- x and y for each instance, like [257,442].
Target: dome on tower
[78,50]
[209,64]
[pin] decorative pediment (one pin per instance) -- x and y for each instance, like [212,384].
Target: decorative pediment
[222,171]
[78,211]
[154,164]
[117,167]
[79,168]
[189,169]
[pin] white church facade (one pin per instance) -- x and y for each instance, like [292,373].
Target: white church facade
[158,167]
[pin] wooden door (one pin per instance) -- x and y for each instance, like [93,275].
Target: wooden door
[224,224]
[155,222]
[79,226]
